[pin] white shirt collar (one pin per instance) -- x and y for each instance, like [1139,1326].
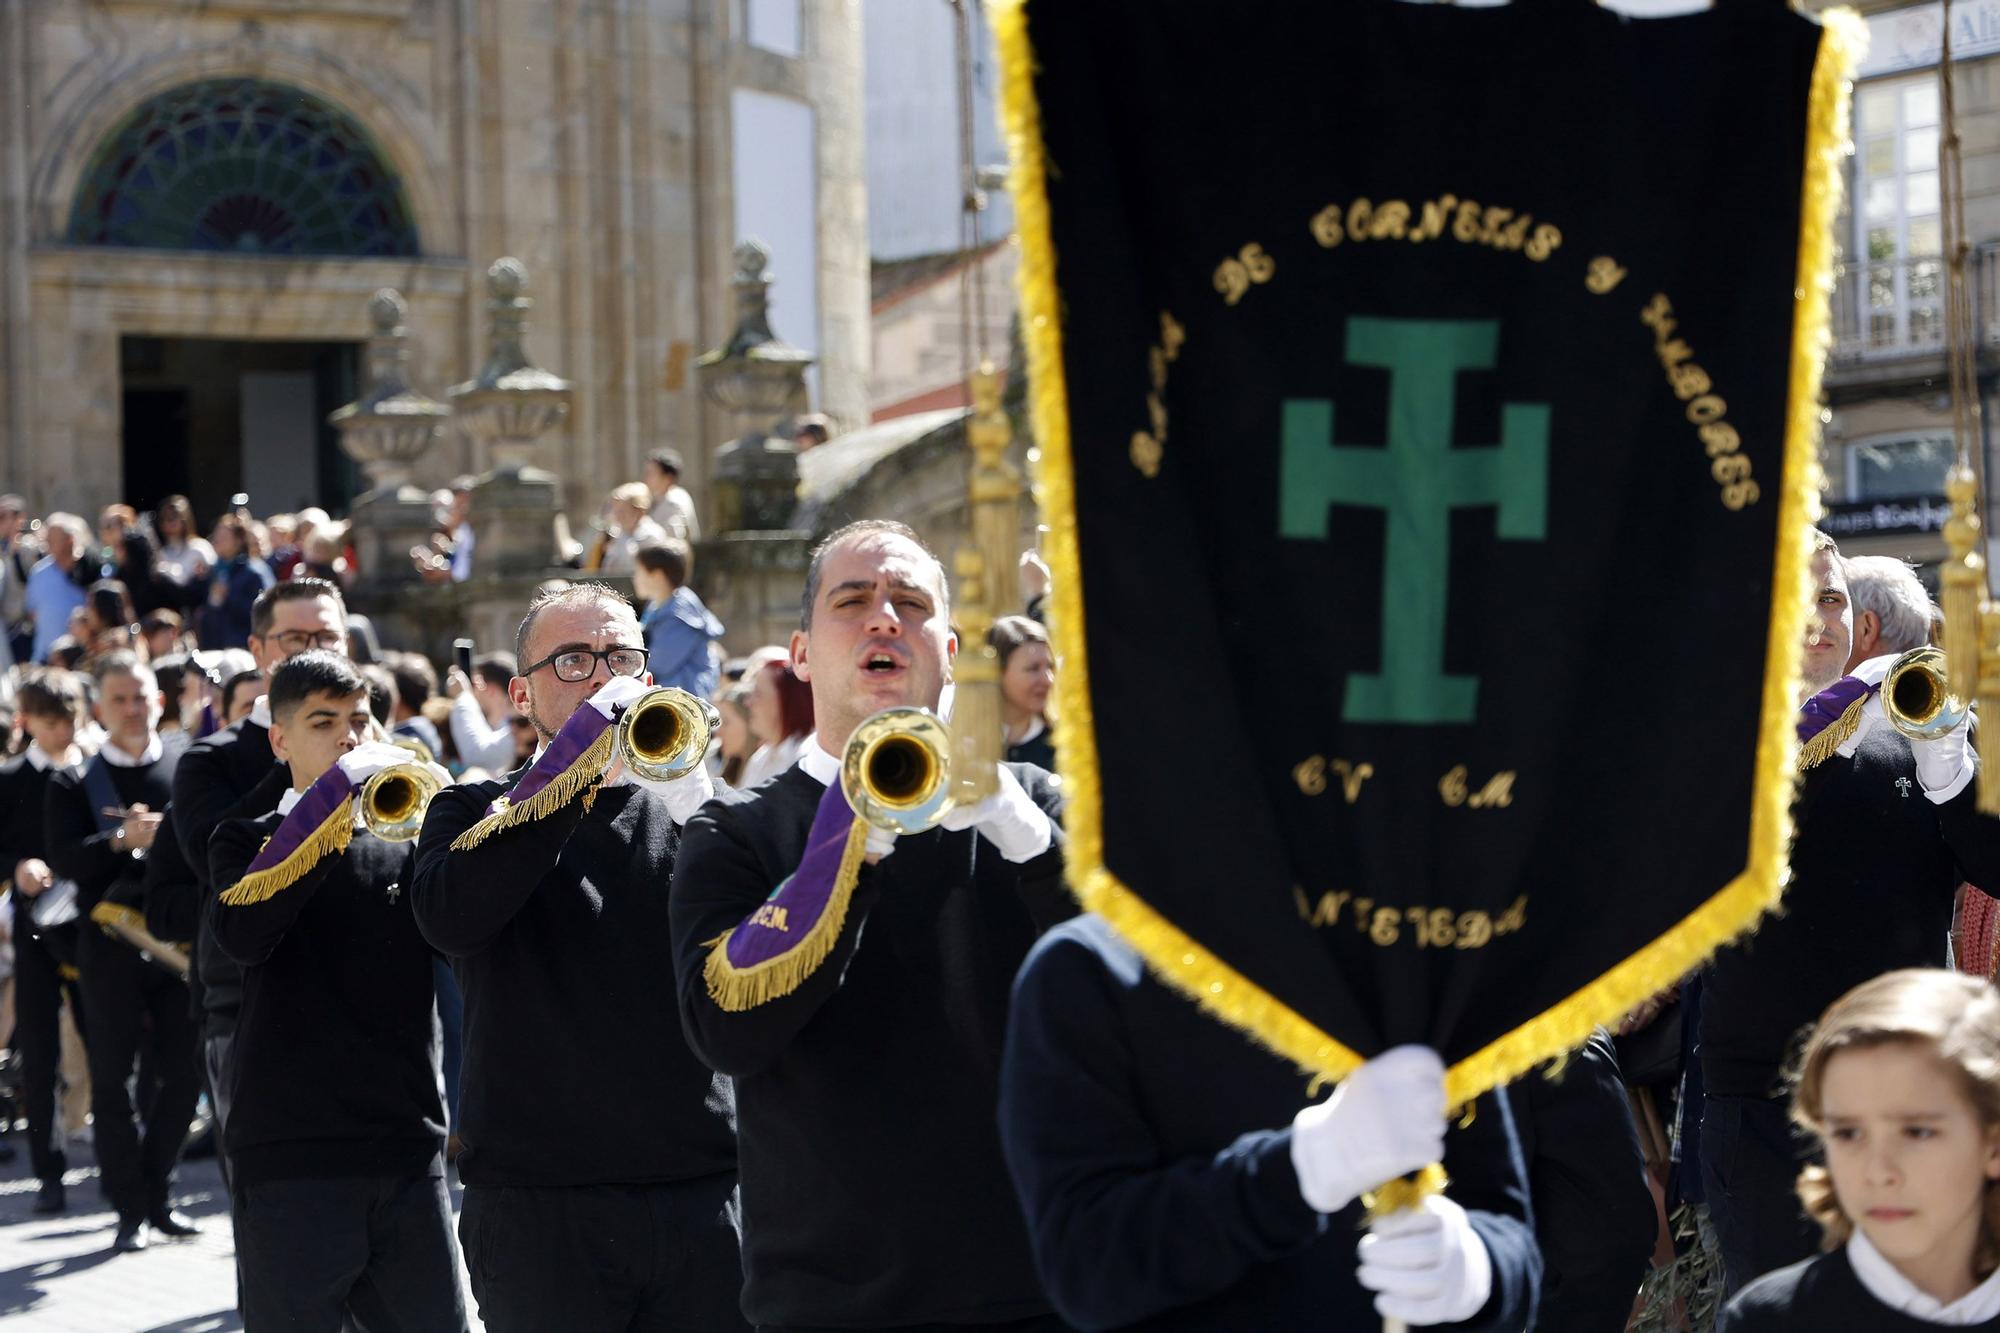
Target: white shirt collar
[1886,1283]
[118,758]
[1036,726]
[260,712]
[820,766]
[38,758]
[287,801]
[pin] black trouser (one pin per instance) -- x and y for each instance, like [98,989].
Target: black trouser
[1751,1155]
[135,1005]
[38,994]
[605,1258]
[311,1251]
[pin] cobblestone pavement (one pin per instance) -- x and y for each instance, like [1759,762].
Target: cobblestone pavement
[59,1275]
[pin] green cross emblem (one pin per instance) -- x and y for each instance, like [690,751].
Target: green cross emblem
[1418,479]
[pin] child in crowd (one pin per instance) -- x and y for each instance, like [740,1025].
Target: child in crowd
[1901,1083]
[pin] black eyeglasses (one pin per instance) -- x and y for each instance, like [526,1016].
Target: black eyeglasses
[579,664]
[296,641]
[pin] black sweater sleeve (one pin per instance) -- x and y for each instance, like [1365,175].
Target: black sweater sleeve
[76,848]
[1120,1235]
[720,878]
[1974,838]
[465,899]
[250,932]
[173,892]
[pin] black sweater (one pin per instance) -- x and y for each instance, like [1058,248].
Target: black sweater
[336,1057]
[214,782]
[575,1071]
[23,814]
[1594,1213]
[873,1190]
[1820,1295]
[1874,869]
[78,850]
[1151,1147]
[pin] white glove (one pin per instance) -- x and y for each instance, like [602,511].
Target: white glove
[1009,819]
[684,795]
[1426,1265]
[367,759]
[1386,1119]
[881,841]
[618,692]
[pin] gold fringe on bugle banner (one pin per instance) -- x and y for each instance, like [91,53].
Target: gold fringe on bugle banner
[331,838]
[1177,957]
[564,787]
[736,989]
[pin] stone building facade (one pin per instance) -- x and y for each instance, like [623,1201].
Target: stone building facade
[198,196]
[1888,441]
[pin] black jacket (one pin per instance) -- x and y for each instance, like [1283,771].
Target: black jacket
[215,776]
[873,1190]
[1151,1148]
[575,1070]
[335,1065]
[1875,866]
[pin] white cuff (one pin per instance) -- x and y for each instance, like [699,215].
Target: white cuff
[1009,819]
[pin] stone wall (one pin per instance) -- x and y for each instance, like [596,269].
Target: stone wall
[589,139]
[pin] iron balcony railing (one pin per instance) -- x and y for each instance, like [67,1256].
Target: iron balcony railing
[1892,309]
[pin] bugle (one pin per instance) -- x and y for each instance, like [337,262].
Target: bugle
[896,770]
[665,733]
[1917,697]
[393,802]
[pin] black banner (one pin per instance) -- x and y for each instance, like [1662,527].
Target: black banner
[1427,422]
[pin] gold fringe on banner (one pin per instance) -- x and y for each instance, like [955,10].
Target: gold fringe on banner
[331,838]
[736,989]
[564,787]
[1189,966]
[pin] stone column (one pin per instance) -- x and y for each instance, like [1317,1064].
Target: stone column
[505,411]
[387,430]
[751,570]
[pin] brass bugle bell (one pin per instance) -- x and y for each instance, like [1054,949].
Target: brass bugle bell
[1917,698]
[896,770]
[665,734]
[393,801]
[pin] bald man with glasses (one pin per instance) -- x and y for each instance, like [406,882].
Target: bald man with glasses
[599,1155]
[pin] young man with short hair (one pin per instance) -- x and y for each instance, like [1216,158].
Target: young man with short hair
[866,1068]
[678,628]
[102,819]
[336,1129]
[51,706]
[673,507]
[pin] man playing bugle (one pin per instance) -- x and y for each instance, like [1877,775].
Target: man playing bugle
[337,1129]
[862,1016]
[600,1156]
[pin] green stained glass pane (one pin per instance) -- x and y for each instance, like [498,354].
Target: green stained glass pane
[242,165]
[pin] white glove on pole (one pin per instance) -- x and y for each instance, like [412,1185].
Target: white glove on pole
[881,841]
[618,692]
[367,759]
[1009,819]
[1426,1265]
[1386,1119]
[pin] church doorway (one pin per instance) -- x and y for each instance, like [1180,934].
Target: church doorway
[211,419]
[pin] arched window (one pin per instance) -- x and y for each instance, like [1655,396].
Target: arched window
[242,166]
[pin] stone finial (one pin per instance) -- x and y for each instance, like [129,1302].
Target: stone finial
[752,256]
[391,425]
[512,402]
[386,309]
